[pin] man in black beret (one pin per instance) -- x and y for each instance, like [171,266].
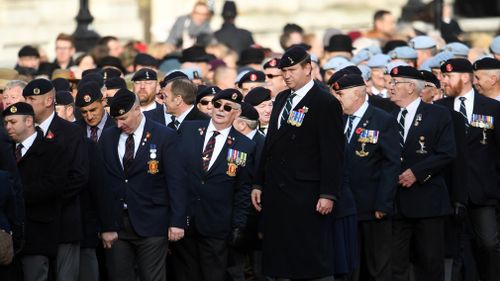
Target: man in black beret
[40,94]
[310,119]
[432,87]
[214,218]
[274,78]
[422,200]
[145,86]
[95,119]
[250,80]
[179,97]
[112,86]
[173,75]
[147,179]
[65,106]
[43,170]
[237,39]
[110,72]
[204,99]
[482,137]
[28,57]
[487,77]
[339,45]
[260,99]
[372,168]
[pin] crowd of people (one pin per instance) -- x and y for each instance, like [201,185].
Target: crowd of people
[367,156]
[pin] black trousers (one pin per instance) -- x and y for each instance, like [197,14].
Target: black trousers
[375,245]
[486,247]
[132,251]
[427,234]
[200,258]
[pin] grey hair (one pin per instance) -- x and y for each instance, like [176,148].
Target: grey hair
[15,83]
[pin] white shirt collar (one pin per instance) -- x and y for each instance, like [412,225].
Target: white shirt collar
[382,93]
[211,128]
[303,91]
[361,111]
[251,134]
[469,103]
[148,107]
[46,123]
[27,143]
[137,134]
[184,114]
[412,107]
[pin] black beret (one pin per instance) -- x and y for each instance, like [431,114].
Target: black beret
[251,56]
[486,63]
[87,94]
[111,61]
[176,74]
[28,51]
[351,69]
[110,72]
[258,95]
[121,103]
[195,54]
[252,76]
[249,112]
[64,98]
[230,94]
[93,77]
[19,108]
[431,78]
[348,81]
[339,43]
[115,83]
[144,74]
[293,56]
[88,71]
[406,71]
[37,87]
[206,91]
[456,65]
[146,60]
[61,84]
[272,63]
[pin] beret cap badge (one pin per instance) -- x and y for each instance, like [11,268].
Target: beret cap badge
[36,91]
[121,111]
[13,109]
[253,77]
[272,62]
[147,75]
[395,71]
[449,68]
[87,98]
[291,60]
[234,96]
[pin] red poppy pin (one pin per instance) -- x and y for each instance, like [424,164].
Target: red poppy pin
[336,86]
[449,68]
[395,71]
[148,135]
[253,77]
[359,130]
[50,135]
[272,62]
[230,140]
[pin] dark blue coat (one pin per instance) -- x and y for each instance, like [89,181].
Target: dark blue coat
[8,209]
[483,167]
[218,202]
[155,201]
[428,196]
[157,114]
[373,178]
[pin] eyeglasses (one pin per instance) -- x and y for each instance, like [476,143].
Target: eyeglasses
[226,107]
[204,102]
[145,82]
[429,86]
[395,83]
[271,76]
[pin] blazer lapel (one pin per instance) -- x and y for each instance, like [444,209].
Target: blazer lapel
[34,147]
[365,120]
[228,143]
[414,127]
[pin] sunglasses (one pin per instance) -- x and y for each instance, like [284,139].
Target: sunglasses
[271,76]
[204,102]
[226,107]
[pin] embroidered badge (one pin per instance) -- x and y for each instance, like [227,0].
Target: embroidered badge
[231,169]
[153,167]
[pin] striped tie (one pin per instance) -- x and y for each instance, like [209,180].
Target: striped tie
[18,152]
[286,110]
[463,111]
[402,128]
[348,132]
[208,151]
[128,156]
[93,133]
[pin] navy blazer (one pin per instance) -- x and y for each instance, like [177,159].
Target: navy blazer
[155,200]
[110,122]
[8,209]
[483,167]
[428,196]
[218,202]
[259,138]
[157,114]
[373,178]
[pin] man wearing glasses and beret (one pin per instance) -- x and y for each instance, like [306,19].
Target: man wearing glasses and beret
[219,161]
[299,175]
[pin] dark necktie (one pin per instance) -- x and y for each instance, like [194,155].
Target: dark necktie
[402,128]
[350,119]
[286,109]
[93,133]
[128,157]
[463,111]
[174,124]
[208,151]
[18,152]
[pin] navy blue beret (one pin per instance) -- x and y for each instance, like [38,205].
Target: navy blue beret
[249,112]
[486,63]
[348,81]
[64,98]
[87,94]
[252,76]
[115,83]
[456,65]
[230,94]
[406,71]
[258,95]
[144,74]
[293,56]
[20,108]
[121,103]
